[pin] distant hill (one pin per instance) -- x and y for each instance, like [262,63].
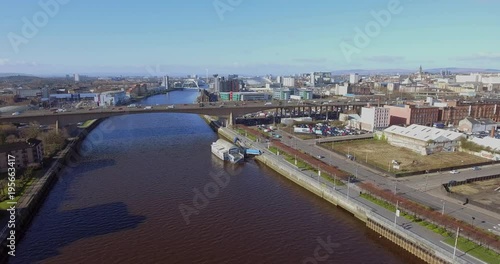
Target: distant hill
[406,71]
[13,74]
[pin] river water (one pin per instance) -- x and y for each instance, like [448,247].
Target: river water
[148,190]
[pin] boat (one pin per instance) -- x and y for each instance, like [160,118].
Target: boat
[227,151]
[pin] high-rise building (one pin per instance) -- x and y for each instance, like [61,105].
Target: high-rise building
[313,79]
[77,77]
[165,82]
[354,78]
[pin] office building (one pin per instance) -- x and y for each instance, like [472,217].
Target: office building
[374,118]
[77,77]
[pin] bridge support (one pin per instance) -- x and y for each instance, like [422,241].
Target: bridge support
[57,127]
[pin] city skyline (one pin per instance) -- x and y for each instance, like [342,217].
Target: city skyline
[244,37]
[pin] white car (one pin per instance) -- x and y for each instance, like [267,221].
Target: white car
[454,172]
[170,107]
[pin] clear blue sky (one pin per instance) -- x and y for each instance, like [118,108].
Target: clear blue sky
[252,37]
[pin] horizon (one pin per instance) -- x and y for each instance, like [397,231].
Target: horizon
[243,37]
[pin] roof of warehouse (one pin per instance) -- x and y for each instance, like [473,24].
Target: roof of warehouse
[424,133]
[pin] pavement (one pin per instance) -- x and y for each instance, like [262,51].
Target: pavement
[408,187]
[350,192]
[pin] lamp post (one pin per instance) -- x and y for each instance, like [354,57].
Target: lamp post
[348,187]
[334,182]
[396,214]
[455,247]
[442,210]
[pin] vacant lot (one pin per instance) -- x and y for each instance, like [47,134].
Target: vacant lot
[484,192]
[379,153]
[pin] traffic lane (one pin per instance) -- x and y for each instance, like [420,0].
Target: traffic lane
[413,194]
[436,179]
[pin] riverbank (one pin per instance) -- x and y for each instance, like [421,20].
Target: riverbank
[422,244]
[27,206]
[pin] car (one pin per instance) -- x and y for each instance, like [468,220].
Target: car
[148,108]
[268,103]
[320,157]
[16,113]
[454,172]
[170,107]
[476,168]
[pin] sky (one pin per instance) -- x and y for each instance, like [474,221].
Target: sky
[253,37]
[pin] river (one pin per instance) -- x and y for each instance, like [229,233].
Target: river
[148,190]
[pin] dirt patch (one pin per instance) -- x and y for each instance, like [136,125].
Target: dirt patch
[380,154]
[484,192]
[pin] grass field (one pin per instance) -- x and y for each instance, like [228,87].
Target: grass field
[380,154]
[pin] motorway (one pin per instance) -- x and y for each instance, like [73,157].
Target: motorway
[484,219]
[351,192]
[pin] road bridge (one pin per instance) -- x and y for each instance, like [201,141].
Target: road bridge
[234,108]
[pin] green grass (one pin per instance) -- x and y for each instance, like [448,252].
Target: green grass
[472,248]
[87,123]
[244,133]
[304,166]
[19,191]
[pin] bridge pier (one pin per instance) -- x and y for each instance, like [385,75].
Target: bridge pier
[57,126]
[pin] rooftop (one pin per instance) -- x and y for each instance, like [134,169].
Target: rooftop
[424,133]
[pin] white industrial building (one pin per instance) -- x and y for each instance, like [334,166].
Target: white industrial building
[488,142]
[422,139]
[111,98]
[373,118]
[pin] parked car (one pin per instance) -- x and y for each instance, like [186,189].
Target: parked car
[320,157]
[476,168]
[454,172]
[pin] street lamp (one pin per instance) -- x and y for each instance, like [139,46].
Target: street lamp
[396,214]
[348,187]
[442,211]
[455,247]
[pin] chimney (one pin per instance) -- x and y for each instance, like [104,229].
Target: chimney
[492,134]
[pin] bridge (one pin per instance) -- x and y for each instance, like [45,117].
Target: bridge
[235,108]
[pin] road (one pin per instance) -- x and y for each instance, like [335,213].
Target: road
[351,192]
[484,219]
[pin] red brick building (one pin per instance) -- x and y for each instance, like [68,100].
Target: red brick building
[453,115]
[413,114]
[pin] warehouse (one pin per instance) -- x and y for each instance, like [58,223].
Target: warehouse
[422,139]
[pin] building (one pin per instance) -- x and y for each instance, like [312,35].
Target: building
[354,78]
[244,96]
[222,85]
[26,153]
[422,139]
[288,82]
[392,87]
[471,125]
[28,93]
[453,114]
[413,114]
[111,98]
[165,82]
[305,94]
[77,77]
[491,146]
[374,118]
[282,94]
